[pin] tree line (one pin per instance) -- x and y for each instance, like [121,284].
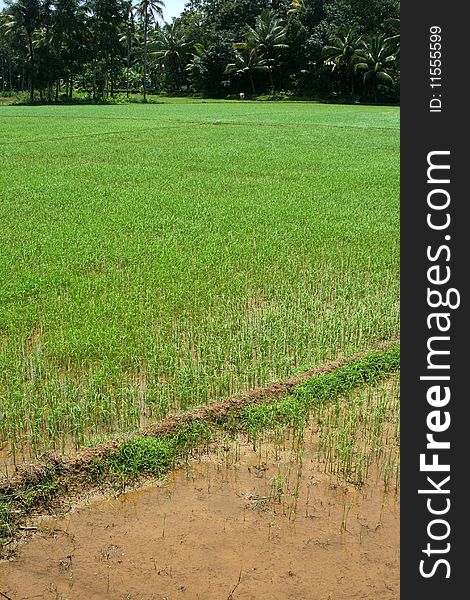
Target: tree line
[96,49]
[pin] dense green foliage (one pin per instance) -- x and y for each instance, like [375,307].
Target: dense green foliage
[165,255]
[316,48]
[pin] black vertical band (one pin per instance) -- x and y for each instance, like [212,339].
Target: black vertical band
[435,262]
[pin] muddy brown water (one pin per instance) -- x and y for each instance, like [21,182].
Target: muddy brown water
[233,524]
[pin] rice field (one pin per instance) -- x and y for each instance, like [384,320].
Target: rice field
[159,257]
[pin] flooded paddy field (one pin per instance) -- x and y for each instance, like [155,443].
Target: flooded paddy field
[292,516]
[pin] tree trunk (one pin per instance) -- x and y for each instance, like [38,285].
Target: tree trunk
[128,69]
[71,80]
[252,84]
[111,76]
[9,72]
[145,55]
[31,68]
[271,80]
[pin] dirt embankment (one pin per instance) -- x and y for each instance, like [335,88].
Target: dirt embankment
[78,464]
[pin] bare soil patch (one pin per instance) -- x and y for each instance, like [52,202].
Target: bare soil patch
[237,524]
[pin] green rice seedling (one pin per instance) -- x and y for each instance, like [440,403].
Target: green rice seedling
[149,264]
[344,520]
[298,478]
[278,487]
[361,430]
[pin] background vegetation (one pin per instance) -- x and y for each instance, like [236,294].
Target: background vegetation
[104,49]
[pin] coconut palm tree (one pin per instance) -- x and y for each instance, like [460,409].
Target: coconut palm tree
[128,35]
[377,57]
[343,50]
[171,51]
[5,52]
[247,63]
[23,19]
[104,19]
[67,35]
[148,11]
[267,38]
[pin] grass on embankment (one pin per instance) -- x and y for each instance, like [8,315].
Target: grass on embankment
[155,456]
